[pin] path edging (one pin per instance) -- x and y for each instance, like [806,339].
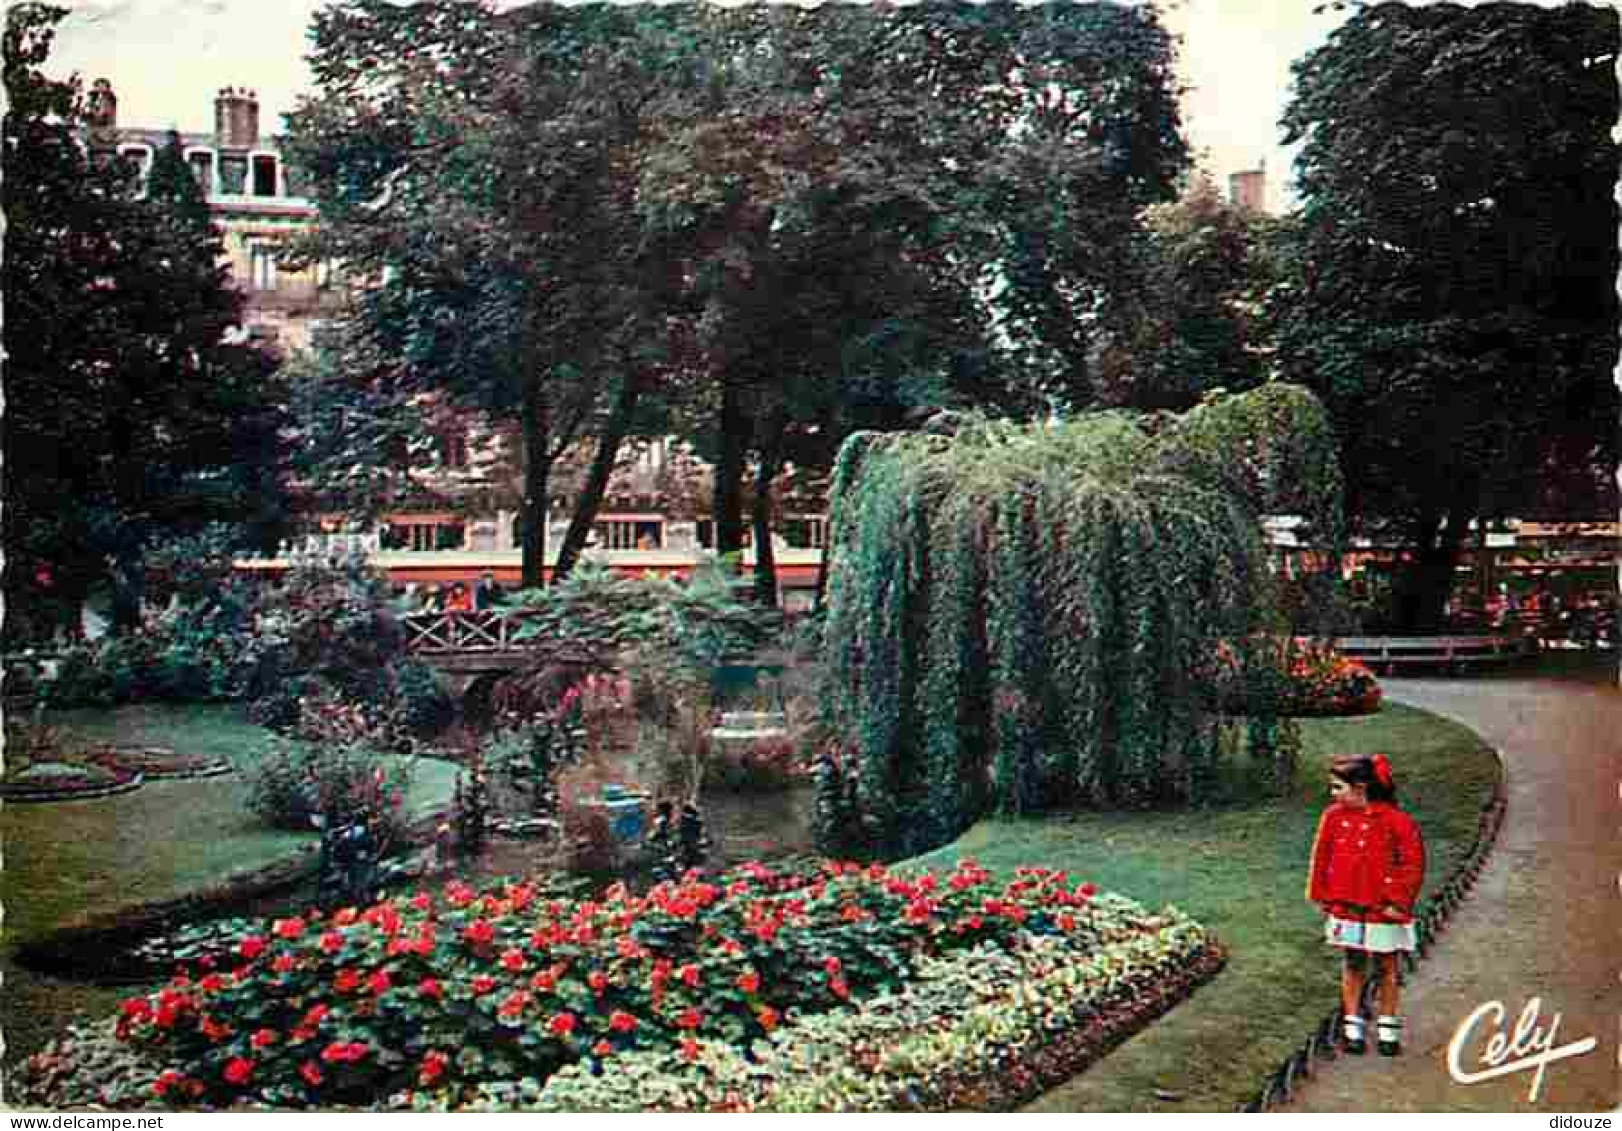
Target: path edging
[1278,1088]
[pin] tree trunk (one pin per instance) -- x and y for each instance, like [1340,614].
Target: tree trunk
[733,443]
[1426,583]
[536,423]
[602,468]
[761,518]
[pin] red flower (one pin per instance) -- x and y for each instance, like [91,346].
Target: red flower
[135,1008]
[768,1017]
[282,963]
[1086,891]
[749,982]
[839,989]
[430,988]
[264,1037]
[213,1030]
[689,1049]
[602,1048]
[313,1015]
[211,983]
[340,1051]
[597,980]
[513,960]
[1067,922]
[479,932]
[251,947]
[311,1073]
[379,982]
[483,984]
[514,1004]
[331,942]
[561,1025]
[832,965]
[287,928]
[422,901]
[433,1067]
[689,1019]
[238,1070]
[167,1079]
[347,981]
[621,1022]
[689,974]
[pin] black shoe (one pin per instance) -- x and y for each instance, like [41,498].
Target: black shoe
[1390,1048]
[1355,1048]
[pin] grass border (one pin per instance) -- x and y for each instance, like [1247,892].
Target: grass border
[1278,1088]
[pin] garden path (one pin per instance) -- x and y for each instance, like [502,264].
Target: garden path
[1543,921]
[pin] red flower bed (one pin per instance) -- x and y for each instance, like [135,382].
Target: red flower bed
[468,987]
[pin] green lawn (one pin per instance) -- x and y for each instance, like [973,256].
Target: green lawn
[167,839]
[1241,872]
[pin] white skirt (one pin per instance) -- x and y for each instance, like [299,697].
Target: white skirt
[1380,938]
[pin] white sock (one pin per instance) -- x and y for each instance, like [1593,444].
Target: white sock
[1389,1028]
[1353,1028]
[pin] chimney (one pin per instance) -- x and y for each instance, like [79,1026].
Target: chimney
[1248,189]
[102,112]
[236,119]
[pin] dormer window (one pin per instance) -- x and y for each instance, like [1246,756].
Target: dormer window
[264,176]
[141,157]
[201,163]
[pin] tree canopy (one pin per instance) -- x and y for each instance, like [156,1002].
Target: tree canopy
[1450,286]
[771,218]
[129,417]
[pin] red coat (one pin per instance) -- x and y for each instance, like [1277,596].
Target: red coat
[1365,858]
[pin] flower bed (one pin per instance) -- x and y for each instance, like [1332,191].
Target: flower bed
[1321,682]
[68,781]
[470,999]
[1298,678]
[161,763]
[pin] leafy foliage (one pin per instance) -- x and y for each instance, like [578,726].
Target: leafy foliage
[135,417]
[1450,280]
[469,990]
[1023,617]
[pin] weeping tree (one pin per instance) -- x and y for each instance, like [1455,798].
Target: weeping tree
[1030,616]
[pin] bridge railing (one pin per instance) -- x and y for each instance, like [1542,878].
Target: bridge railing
[486,631]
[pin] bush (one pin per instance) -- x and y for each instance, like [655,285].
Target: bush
[423,701]
[469,990]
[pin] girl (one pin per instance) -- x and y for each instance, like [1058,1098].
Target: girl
[1368,862]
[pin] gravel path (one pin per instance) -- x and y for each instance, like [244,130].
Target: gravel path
[1545,920]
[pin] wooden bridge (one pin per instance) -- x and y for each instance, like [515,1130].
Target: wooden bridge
[469,646]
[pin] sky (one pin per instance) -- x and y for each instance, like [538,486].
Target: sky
[168,58]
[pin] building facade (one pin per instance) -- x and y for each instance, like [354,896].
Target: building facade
[255,202]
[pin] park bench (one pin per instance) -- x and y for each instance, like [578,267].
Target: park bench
[1388,654]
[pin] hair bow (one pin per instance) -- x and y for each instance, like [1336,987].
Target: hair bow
[1382,770]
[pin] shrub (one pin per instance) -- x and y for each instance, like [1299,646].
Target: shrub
[467,990]
[423,701]
[335,771]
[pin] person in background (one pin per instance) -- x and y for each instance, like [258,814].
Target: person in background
[487,592]
[460,600]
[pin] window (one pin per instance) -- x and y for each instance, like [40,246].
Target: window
[264,176]
[629,534]
[806,531]
[422,536]
[202,168]
[453,449]
[262,266]
[141,157]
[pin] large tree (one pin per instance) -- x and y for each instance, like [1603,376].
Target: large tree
[128,413]
[748,210]
[1451,288]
